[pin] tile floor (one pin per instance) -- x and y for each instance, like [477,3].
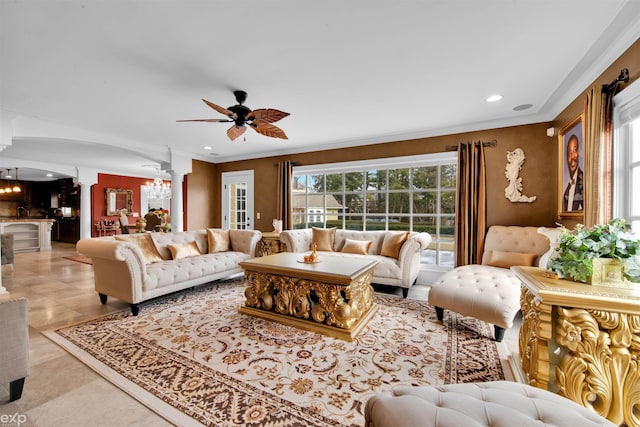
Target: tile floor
[60,390]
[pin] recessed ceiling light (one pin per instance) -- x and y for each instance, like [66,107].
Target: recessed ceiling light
[208,148]
[522,107]
[49,175]
[494,98]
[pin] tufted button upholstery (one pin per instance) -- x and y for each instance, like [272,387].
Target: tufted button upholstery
[487,293]
[161,274]
[496,404]
[491,294]
[120,270]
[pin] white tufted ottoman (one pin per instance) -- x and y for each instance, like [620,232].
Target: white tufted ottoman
[496,404]
[491,294]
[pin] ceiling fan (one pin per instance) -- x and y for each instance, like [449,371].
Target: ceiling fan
[259,120]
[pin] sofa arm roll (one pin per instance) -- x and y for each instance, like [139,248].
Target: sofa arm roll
[119,267]
[245,241]
[409,259]
[113,250]
[297,240]
[416,243]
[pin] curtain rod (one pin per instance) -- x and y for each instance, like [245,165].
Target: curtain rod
[622,78]
[491,143]
[292,163]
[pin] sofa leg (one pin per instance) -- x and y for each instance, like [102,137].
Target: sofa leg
[103,298]
[135,309]
[499,333]
[15,389]
[405,292]
[440,313]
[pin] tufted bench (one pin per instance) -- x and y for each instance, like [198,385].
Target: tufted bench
[490,291]
[497,404]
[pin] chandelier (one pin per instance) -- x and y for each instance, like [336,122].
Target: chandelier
[157,189]
[8,188]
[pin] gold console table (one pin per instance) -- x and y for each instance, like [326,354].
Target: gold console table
[270,244]
[333,297]
[582,342]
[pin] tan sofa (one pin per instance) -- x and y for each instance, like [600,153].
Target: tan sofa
[490,291]
[401,272]
[120,270]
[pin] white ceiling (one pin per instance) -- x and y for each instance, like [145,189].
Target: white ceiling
[101,84]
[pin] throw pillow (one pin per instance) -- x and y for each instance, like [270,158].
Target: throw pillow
[323,238]
[218,240]
[393,241]
[508,259]
[356,246]
[146,245]
[184,250]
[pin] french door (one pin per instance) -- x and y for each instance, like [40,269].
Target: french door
[237,200]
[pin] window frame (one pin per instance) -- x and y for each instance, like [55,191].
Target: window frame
[386,164]
[626,112]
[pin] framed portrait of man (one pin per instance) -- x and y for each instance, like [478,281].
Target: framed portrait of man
[571,169]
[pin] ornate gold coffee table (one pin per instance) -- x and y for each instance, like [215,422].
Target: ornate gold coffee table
[333,297]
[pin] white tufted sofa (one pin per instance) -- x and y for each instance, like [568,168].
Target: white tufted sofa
[120,270]
[497,404]
[489,293]
[401,272]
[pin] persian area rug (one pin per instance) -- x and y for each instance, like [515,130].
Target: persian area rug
[193,359]
[79,258]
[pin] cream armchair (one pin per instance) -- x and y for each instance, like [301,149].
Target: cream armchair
[490,291]
[14,348]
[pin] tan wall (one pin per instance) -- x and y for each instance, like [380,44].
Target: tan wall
[539,172]
[203,196]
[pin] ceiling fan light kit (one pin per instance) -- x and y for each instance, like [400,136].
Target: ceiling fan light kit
[242,116]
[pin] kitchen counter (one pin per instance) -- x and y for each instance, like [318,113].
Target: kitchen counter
[26,219]
[29,234]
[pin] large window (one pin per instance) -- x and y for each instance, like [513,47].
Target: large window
[414,193]
[626,179]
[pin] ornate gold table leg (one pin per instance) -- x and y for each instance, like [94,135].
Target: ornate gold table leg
[600,369]
[535,333]
[335,310]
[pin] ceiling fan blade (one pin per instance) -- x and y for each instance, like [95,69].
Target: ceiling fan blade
[267,129]
[234,131]
[220,109]
[206,120]
[269,115]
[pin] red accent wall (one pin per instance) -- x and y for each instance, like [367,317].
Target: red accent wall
[98,202]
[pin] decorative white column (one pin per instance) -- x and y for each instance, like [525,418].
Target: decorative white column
[6,139]
[177,216]
[86,178]
[179,166]
[3,290]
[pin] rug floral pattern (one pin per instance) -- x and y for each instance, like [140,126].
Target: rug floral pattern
[198,354]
